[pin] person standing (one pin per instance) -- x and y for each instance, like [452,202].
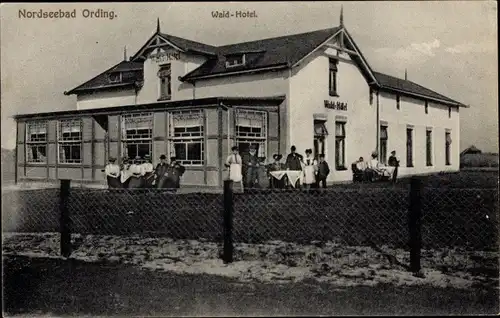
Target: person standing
[174,173]
[373,168]
[147,169]
[160,172]
[234,164]
[135,170]
[310,169]
[394,162]
[294,163]
[112,171]
[323,171]
[252,164]
[125,173]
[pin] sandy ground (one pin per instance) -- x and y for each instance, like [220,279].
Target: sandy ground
[53,287]
[276,261]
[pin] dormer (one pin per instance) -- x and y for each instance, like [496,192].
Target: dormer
[235,59]
[115,77]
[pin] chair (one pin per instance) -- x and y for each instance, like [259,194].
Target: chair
[357,175]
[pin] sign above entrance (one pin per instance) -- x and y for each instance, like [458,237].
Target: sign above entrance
[335,105]
[165,56]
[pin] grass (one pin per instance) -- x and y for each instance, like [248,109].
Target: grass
[58,287]
[454,213]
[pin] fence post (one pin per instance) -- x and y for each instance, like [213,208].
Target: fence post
[415,216]
[228,222]
[64,219]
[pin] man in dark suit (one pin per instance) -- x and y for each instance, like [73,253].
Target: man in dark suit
[294,162]
[394,162]
[252,166]
[160,172]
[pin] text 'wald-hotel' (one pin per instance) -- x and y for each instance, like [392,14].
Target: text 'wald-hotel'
[195,101]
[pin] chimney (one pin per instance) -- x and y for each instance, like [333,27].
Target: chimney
[406,75]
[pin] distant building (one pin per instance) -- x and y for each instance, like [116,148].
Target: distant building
[193,100]
[470,150]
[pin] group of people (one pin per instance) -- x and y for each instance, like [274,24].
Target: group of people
[246,169]
[140,173]
[375,170]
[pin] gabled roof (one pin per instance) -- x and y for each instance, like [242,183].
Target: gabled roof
[264,55]
[189,45]
[271,52]
[101,81]
[470,150]
[392,83]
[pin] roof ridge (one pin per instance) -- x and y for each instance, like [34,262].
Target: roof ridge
[419,85]
[279,37]
[257,40]
[186,39]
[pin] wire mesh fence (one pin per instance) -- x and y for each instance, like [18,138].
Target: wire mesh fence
[464,218]
[347,216]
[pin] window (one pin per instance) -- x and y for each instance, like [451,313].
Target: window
[371,96]
[187,136]
[115,77]
[165,76]
[449,112]
[235,60]
[448,148]
[251,130]
[398,102]
[428,142]
[320,134]
[426,107]
[340,146]
[383,144]
[409,147]
[137,135]
[332,86]
[70,141]
[36,142]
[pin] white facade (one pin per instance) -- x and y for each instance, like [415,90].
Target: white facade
[412,115]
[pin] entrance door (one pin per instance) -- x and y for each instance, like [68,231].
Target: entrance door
[319,146]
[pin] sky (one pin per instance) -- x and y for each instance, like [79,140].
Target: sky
[447,46]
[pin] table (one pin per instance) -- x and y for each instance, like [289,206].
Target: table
[293,175]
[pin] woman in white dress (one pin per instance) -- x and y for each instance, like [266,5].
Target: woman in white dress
[135,171]
[234,164]
[124,172]
[310,169]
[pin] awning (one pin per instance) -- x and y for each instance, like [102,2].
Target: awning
[448,139]
[320,129]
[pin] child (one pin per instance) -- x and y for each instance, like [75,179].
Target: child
[323,171]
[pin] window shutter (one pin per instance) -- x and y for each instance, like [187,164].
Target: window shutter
[339,130]
[383,132]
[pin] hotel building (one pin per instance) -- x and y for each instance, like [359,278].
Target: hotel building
[195,101]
